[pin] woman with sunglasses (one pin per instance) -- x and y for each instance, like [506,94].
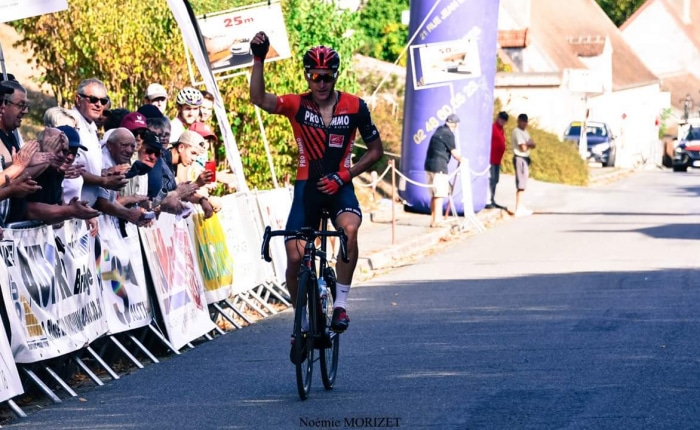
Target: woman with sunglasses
[325,122]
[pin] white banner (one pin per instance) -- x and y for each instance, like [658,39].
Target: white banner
[11,10]
[176,279]
[10,384]
[274,208]
[240,219]
[124,289]
[227,35]
[53,300]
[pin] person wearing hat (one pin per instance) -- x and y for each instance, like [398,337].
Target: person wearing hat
[135,122]
[441,148]
[136,191]
[47,203]
[157,95]
[188,148]
[522,144]
[209,140]
[498,148]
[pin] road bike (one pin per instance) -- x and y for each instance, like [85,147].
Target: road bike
[313,304]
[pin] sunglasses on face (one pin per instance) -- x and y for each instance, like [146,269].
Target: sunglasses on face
[93,100]
[325,77]
[150,151]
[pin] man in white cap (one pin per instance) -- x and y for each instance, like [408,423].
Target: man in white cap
[441,148]
[157,96]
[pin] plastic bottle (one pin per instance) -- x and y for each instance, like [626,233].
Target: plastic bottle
[322,293]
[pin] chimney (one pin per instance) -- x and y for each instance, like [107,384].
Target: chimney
[686,11]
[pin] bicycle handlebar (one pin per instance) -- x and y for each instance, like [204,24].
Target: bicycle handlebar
[307,234]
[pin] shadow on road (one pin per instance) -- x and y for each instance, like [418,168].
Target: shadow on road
[667,231]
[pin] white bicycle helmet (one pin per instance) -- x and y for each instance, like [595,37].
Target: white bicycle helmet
[189,96]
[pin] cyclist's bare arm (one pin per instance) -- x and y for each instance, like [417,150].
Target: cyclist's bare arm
[375,151]
[258,96]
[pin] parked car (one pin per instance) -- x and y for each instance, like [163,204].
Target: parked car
[600,140]
[687,152]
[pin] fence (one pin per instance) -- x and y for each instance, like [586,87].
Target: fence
[67,295]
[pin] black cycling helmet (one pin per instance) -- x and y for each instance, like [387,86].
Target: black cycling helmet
[321,57]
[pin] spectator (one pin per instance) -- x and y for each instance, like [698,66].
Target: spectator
[90,100]
[188,102]
[441,147]
[136,191]
[498,148]
[522,144]
[57,116]
[115,119]
[16,106]
[4,91]
[136,124]
[150,111]
[207,107]
[46,204]
[157,96]
[209,142]
[188,148]
[117,154]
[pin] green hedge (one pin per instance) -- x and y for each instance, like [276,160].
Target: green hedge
[552,160]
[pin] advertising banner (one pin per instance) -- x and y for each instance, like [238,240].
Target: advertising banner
[227,35]
[176,279]
[451,69]
[52,298]
[11,10]
[213,256]
[10,384]
[124,288]
[240,219]
[274,210]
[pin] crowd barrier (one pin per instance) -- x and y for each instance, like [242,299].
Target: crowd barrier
[64,290]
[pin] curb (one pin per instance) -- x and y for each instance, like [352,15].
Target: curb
[608,178]
[391,255]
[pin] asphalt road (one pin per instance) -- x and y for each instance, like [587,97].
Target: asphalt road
[583,317]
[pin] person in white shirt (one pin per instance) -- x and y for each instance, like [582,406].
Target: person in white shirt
[90,101]
[522,144]
[188,102]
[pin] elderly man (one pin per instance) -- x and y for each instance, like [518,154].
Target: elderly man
[16,106]
[116,156]
[90,101]
[46,205]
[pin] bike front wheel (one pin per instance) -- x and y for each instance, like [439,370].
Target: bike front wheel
[329,354]
[303,339]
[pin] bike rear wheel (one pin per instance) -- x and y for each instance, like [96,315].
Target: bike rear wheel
[303,340]
[329,355]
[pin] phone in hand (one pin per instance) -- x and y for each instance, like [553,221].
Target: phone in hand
[211,166]
[149,215]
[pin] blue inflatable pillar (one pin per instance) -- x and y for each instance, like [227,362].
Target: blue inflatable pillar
[450,69]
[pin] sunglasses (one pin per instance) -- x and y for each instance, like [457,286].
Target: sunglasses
[155,152]
[325,77]
[93,100]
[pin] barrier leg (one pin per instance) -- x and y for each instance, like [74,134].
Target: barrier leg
[262,301]
[126,352]
[40,384]
[225,316]
[16,409]
[207,336]
[96,379]
[162,338]
[61,382]
[272,290]
[255,307]
[238,312]
[102,363]
[143,349]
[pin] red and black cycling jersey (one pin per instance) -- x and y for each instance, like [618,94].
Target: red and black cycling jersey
[325,149]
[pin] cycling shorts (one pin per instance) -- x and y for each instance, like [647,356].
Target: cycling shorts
[308,203]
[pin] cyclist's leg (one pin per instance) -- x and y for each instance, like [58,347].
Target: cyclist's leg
[294,247]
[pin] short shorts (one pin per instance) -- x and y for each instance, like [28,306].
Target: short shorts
[440,183]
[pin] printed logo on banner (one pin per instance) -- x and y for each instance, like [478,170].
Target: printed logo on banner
[336,141]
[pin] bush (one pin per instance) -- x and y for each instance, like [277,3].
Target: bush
[552,160]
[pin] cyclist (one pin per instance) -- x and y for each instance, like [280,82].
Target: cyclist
[188,102]
[324,122]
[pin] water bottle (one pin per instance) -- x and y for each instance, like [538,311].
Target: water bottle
[322,293]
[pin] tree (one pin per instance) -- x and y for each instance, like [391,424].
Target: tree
[139,42]
[383,35]
[620,10]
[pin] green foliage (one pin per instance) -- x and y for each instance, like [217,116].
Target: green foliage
[139,42]
[127,47]
[620,10]
[663,121]
[552,160]
[383,35]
